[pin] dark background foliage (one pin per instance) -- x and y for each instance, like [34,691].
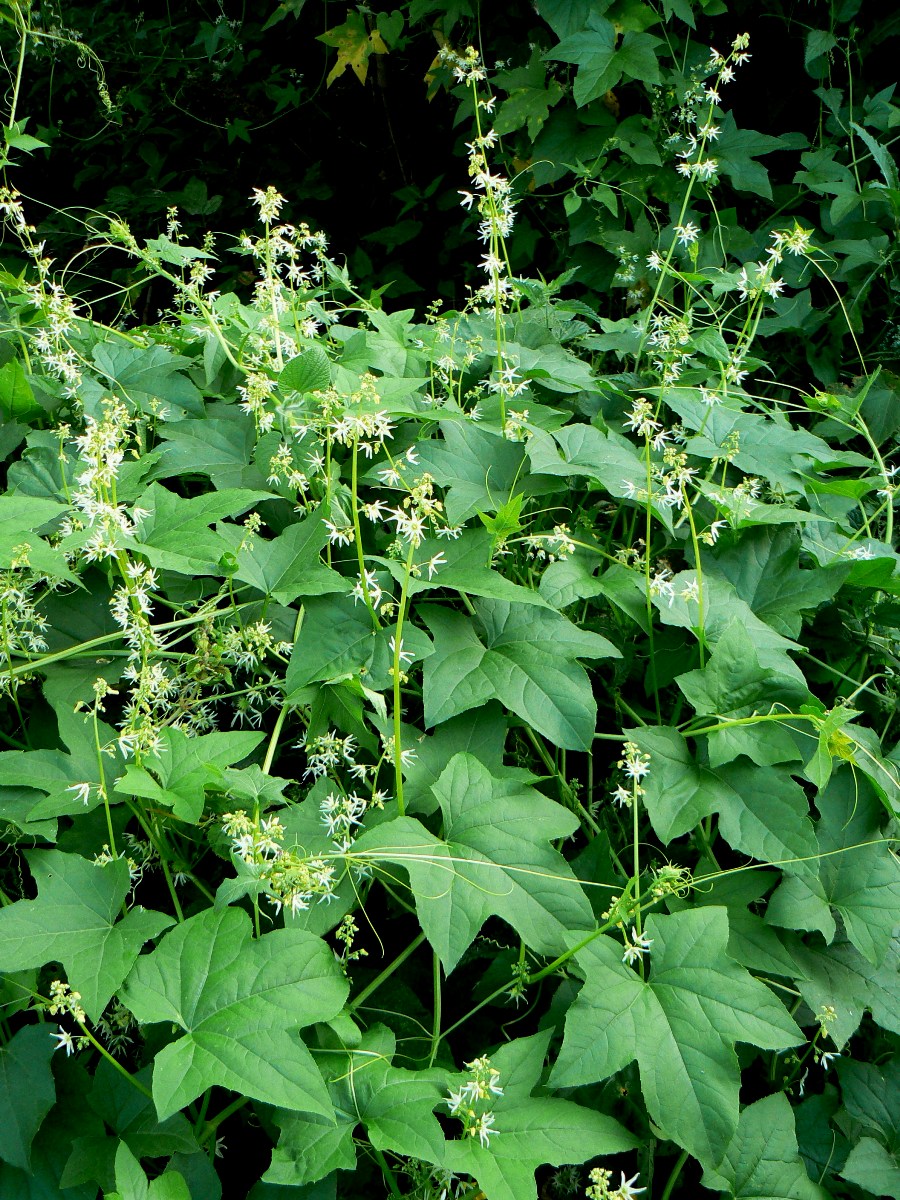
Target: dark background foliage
[210,101]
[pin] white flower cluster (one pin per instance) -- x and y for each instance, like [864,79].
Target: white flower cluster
[101,448]
[700,128]
[290,880]
[551,547]
[22,625]
[637,944]
[247,645]
[283,287]
[600,1186]
[59,311]
[672,475]
[327,752]
[492,197]
[634,764]
[670,338]
[469,1102]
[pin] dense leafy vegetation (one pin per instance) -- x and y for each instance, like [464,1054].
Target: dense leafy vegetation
[452,751]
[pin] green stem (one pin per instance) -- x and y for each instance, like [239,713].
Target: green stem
[22,27]
[388,971]
[648,533]
[812,718]
[673,1175]
[283,711]
[537,976]
[389,1177]
[86,648]
[109,1058]
[99,749]
[698,566]
[636,876]
[398,642]
[357,536]
[170,882]
[229,1110]
[436,1024]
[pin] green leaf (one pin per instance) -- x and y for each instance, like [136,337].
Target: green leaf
[678,792]
[309,1149]
[184,766]
[751,942]
[763,1162]
[768,446]
[218,448]
[822,1147]
[308,371]
[16,395]
[818,43]
[721,608]
[251,784]
[493,860]
[62,776]
[20,519]
[585,450]
[287,566]
[734,685]
[146,375]
[68,1120]
[504,654]
[169,1186]
[478,468]
[531,1131]
[27,1091]
[336,639]
[737,149]
[873,1168]
[480,734]
[15,135]
[530,96]
[593,50]
[871,1096]
[355,44]
[131,1182]
[466,569]
[859,875]
[394,1105]
[73,921]
[239,1002]
[841,977]
[175,534]
[763,567]
[881,155]
[569,579]
[765,814]
[680,1025]
[132,1117]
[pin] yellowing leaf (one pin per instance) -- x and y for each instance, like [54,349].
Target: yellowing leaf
[355,45]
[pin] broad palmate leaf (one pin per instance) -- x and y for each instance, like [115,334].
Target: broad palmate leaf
[493,860]
[240,1003]
[763,1162]
[680,1025]
[73,921]
[531,1130]
[859,873]
[523,656]
[396,1107]
[27,1092]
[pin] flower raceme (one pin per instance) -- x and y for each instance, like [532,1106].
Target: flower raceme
[469,1102]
